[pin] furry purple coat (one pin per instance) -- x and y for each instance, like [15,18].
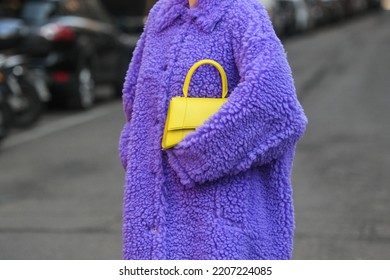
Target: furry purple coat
[224,192]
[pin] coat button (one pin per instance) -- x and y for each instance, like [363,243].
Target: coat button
[154,230]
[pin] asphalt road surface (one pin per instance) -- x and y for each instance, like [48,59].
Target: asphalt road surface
[61,182]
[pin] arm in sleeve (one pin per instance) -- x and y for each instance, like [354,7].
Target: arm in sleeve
[128,93]
[129,87]
[261,120]
[131,77]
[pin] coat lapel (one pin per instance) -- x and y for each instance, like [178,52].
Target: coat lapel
[205,15]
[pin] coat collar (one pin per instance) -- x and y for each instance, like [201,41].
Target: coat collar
[205,15]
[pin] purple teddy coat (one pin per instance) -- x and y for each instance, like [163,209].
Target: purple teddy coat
[224,192]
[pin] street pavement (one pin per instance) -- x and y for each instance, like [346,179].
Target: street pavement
[61,182]
[341,172]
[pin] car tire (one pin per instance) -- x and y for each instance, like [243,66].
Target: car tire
[82,95]
[118,85]
[5,118]
[118,90]
[32,108]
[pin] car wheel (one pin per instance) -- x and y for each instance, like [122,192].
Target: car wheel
[5,119]
[118,90]
[83,89]
[30,107]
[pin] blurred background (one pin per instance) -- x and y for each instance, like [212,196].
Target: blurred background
[62,68]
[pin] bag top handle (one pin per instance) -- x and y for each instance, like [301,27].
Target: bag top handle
[199,63]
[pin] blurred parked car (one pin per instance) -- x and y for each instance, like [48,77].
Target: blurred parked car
[333,10]
[282,15]
[128,17]
[325,11]
[317,11]
[23,85]
[5,111]
[351,7]
[287,11]
[274,13]
[79,45]
[304,19]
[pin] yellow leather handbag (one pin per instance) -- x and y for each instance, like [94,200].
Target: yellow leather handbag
[185,114]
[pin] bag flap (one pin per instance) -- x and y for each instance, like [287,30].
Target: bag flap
[189,113]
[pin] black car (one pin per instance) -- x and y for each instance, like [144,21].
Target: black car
[79,46]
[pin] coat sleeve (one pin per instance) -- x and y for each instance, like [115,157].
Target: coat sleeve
[131,77]
[128,93]
[261,120]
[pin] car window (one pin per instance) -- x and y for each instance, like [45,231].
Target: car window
[37,12]
[97,12]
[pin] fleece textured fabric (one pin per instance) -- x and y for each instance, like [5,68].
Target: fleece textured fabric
[224,192]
